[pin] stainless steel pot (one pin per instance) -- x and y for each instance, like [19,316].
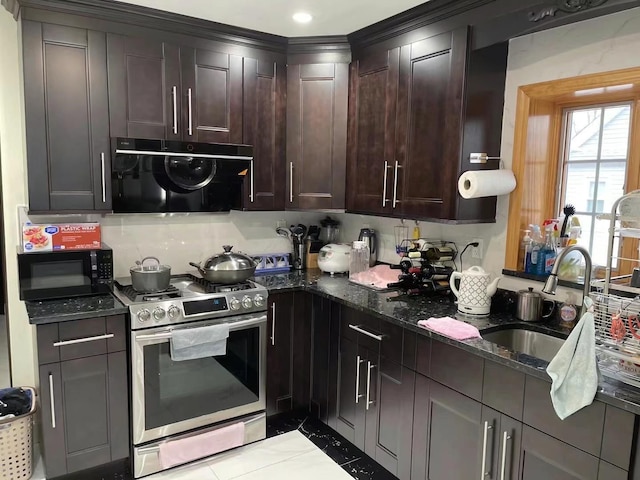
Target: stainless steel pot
[530,306]
[227,267]
[150,278]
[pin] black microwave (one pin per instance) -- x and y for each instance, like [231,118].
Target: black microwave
[161,176]
[62,274]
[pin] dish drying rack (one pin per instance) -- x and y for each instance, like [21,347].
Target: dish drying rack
[617,315]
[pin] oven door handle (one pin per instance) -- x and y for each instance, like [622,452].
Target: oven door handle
[166,334]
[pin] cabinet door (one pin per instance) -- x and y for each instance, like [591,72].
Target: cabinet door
[280,353]
[429,126]
[67,118]
[371,156]
[91,422]
[392,411]
[455,435]
[542,456]
[316,135]
[264,128]
[211,96]
[144,88]
[351,384]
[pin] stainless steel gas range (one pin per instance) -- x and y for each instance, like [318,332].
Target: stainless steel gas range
[177,400]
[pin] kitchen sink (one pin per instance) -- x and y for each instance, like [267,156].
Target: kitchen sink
[530,342]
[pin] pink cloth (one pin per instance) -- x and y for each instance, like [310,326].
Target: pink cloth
[451,328]
[177,452]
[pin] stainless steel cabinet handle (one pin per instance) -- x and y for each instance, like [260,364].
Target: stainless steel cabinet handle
[503,466]
[251,179]
[395,185]
[364,332]
[190,113]
[83,340]
[52,402]
[484,473]
[273,324]
[384,185]
[358,362]
[104,187]
[369,368]
[174,95]
[290,182]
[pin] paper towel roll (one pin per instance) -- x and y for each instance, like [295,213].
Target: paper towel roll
[486,183]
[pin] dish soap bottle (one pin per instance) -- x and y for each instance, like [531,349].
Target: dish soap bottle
[536,247]
[526,250]
[550,252]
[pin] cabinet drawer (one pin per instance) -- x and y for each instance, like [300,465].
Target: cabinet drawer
[81,338]
[617,439]
[503,389]
[544,457]
[583,429]
[457,369]
[361,328]
[391,346]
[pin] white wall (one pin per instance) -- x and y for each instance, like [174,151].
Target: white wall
[12,153]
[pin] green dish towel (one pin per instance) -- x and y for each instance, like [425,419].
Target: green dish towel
[574,370]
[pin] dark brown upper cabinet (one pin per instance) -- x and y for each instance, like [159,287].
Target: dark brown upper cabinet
[264,127]
[211,99]
[67,118]
[158,90]
[144,88]
[316,135]
[373,88]
[416,113]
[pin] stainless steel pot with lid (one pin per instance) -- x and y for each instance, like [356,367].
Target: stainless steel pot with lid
[150,277]
[227,267]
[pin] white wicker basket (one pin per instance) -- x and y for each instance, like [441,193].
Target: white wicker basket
[16,444]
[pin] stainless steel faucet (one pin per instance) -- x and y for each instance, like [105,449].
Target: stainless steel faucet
[552,281]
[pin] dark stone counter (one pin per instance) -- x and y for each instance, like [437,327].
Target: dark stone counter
[76,308]
[407,311]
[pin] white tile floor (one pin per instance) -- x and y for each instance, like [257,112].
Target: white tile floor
[287,456]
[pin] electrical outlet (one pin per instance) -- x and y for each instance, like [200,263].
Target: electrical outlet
[281,224]
[476,252]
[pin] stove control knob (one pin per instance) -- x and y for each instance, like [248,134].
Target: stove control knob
[247,302]
[258,300]
[144,315]
[174,312]
[234,304]
[159,313]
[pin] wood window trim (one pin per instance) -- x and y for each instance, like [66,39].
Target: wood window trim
[537,138]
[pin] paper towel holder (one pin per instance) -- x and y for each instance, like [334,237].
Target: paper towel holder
[481,157]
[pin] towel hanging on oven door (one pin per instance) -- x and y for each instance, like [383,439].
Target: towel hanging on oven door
[200,342]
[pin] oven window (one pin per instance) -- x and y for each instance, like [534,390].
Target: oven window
[178,391]
[69,273]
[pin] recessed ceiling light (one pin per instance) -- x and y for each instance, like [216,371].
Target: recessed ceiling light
[302,17]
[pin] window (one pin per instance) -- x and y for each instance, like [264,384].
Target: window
[587,119]
[593,168]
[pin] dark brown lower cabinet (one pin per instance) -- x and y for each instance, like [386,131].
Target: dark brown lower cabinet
[85,421]
[501,440]
[544,457]
[288,347]
[447,436]
[374,409]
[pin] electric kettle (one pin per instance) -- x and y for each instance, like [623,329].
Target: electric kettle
[475,292]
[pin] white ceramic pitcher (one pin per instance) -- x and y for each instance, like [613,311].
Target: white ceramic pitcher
[475,292]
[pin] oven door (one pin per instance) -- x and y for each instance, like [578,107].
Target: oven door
[172,397]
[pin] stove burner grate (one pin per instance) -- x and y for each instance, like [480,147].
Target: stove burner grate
[135,296]
[210,287]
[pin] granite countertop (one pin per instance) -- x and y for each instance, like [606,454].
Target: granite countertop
[76,308]
[407,311]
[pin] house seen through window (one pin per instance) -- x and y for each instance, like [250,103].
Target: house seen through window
[593,166]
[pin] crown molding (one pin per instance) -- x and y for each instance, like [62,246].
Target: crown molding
[11,6]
